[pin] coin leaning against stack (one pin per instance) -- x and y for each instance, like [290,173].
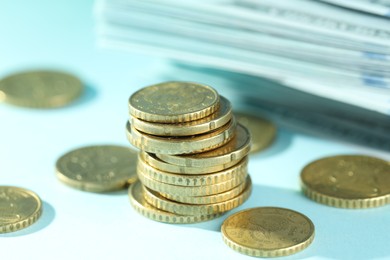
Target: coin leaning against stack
[193,163]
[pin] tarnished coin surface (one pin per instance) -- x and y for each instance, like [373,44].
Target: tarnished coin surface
[98,168]
[348,181]
[268,232]
[262,131]
[173,102]
[40,89]
[19,208]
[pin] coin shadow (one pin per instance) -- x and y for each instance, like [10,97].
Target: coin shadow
[282,141]
[45,220]
[339,233]
[90,93]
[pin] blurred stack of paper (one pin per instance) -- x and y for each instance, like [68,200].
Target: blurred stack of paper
[324,48]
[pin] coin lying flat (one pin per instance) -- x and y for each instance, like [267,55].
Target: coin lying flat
[40,89]
[98,168]
[173,102]
[160,202]
[193,180]
[139,203]
[268,232]
[262,131]
[19,208]
[216,120]
[348,181]
[235,149]
[181,144]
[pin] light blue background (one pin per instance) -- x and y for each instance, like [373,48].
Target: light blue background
[81,225]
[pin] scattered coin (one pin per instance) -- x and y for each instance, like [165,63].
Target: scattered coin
[348,181]
[98,168]
[40,89]
[19,208]
[268,232]
[262,131]
[139,203]
[173,102]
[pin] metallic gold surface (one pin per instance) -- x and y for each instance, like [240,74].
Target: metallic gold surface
[19,208]
[40,89]
[216,120]
[173,102]
[215,198]
[190,190]
[98,168]
[181,144]
[235,149]
[268,232]
[193,180]
[160,202]
[348,181]
[262,131]
[139,203]
[154,161]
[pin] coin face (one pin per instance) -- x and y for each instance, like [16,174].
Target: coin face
[173,102]
[349,181]
[19,208]
[268,231]
[262,131]
[40,89]
[98,168]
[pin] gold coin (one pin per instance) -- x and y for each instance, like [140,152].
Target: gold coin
[262,131]
[98,168]
[215,198]
[160,202]
[19,208]
[174,102]
[181,144]
[193,180]
[214,121]
[139,203]
[267,232]
[40,89]
[154,161]
[190,190]
[235,149]
[348,181]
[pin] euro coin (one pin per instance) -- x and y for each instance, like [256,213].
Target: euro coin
[262,131]
[267,232]
[173,102]
[181,144]
[40,89]
[235,149]
[348,181]
[19,208]
[137,200]
[214,121]
[98,168]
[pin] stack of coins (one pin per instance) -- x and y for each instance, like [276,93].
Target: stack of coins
[193,164]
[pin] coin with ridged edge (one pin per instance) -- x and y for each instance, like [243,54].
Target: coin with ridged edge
[215,198]
[155,162]
[19,208]
[193,180]
[139,203]
[268,232]
[174,102]
[190,190]
[160,202]
[216,120]
[233,150]
[98,168]
[181,144]
[262,131]
[348,181]
[40,89]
